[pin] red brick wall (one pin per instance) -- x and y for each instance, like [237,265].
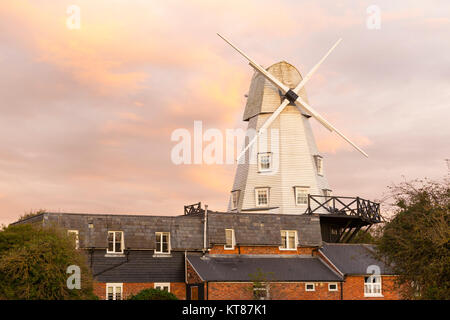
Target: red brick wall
[354,289]
[219,249]
[278,291]
[192,276]
[177,288]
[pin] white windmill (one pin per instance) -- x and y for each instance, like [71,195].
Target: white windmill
[288,165]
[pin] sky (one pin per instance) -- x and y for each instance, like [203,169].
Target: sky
[87,113]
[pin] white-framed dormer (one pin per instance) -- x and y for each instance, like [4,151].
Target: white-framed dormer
[310,287]
[163,286]
[116,242]
[262,197]
[265,162]
[318,160]
[114,291]
[235,199]
[373,286]
[230,240]
[289,240]
[74,234]
[301,195]
[162,243]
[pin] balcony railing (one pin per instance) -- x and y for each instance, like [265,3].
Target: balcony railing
[348,206]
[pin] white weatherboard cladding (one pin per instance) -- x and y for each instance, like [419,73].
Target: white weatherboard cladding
[294,155]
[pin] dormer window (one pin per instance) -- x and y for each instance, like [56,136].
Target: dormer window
[74,235]
[288,240]
[262,197]
[301,195]
[230,241]
[115,242]
[319,164]
[234,199]
[264,162]
[162,242]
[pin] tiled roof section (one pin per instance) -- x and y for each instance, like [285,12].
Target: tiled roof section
[244,268]
[263,229]
[139,266]
[353,258]
[186,232]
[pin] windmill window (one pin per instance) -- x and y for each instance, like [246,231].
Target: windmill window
[114,291]
[74,234]
[288,240]
[264,161]
[162,242]
[319,164]
[372,286]
[262,197]
[235,199]
[230,241]
[115,242]
[301,195]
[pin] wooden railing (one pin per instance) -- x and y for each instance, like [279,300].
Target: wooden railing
[349,206]
[195,208]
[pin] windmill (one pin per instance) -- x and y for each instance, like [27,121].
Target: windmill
[282,178]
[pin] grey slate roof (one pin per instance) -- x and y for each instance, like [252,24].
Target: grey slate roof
[353,258]
[186,232]
[263,229]
[141,266]
[278,268]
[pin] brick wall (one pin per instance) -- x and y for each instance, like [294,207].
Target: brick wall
[277,291]
[354,288]
[192,276]
[177,288]
[219,249]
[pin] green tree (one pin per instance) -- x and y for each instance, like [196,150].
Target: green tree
[416,241]
[153,294]
[34,262]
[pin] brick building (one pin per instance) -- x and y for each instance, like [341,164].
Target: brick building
[225,256]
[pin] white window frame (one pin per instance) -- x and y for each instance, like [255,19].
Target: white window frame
[318,160]
[370,288]
[310,284]
[122,242]
[233,240]
[77,239]
[287,234]
[257,198]
[114,286]
[159,250]
[161,285]
[263,154]
[235,199]
[333,284]
[297,193]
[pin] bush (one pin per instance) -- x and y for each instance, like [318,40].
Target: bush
[153,294]
[34,261]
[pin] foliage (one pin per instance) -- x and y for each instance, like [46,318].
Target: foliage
[31,214]
[416,241]
[261,284]
[34,261]
[153,294]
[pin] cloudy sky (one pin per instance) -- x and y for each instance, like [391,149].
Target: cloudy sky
[87,114]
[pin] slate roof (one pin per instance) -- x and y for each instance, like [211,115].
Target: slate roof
[263,229]
[186,231]
[278,268]
[353,258]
